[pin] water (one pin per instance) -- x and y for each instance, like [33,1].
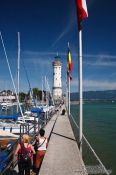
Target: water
[12,110]
[99,126]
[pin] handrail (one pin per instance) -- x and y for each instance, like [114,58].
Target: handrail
[12,162]
[106,171]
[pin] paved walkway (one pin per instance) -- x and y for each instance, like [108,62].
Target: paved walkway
[62,156]
[48,130]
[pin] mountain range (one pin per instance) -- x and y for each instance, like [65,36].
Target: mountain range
[95,95]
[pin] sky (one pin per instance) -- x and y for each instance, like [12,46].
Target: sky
[45,29]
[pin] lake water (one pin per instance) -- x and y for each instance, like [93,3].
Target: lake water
[99,127]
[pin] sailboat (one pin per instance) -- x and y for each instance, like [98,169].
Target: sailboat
[11,123]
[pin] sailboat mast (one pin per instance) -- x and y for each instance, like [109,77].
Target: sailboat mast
[42,92]
[50,91]
[46,91]
[11,75]
[18,67]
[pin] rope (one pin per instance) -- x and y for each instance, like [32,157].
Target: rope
[106,171]
[33,98]
[11,74]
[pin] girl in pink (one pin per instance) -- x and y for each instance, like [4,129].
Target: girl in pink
[24,148]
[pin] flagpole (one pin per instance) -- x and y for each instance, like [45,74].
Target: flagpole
[68,89]
[81,15]
[68,95]
[80,92]
[66,100]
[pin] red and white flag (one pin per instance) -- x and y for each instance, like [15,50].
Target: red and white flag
[81,11]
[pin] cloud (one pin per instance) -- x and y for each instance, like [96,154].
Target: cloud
[39,62]
[38,59]
[67,29]
[94,85]
[100,56]
[98,85]
[100,60]
[46,58]
[38,53]
[5,83]
[41,58]
[112,75]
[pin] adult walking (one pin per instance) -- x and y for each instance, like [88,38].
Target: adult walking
[41,150]
[35,145]
[25,153]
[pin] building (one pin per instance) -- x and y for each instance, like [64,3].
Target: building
[57,82]
[7,96]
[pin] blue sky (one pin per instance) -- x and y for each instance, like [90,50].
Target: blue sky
[45,28]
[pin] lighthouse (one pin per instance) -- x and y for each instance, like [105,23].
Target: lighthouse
[57,82]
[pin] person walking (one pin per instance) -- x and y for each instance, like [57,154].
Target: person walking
[25,153]
[35,145]
[41,150]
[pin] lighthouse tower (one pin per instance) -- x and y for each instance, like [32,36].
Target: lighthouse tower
[57,83]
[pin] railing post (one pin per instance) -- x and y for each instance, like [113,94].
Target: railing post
[38,125]
[11,129]
[34,125]
[28,128]
[46,117]
[26,131]
[20,130]
[23,128]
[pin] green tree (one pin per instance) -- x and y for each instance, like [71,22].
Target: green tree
[37,93]
[22,96]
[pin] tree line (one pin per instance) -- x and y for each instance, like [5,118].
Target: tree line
[37,94]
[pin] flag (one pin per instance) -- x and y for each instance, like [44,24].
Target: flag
[69,65]
[81,11]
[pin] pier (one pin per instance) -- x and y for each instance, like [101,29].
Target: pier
[62,156]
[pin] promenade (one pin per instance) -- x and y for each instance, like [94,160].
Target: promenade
[62,156]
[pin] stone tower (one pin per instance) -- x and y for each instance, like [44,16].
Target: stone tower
[57,83]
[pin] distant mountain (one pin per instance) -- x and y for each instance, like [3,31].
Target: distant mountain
[95,95]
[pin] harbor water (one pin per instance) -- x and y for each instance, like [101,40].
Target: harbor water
[99,127]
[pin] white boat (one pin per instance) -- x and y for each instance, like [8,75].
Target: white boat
[15,127]
[7,134]
[7,122]
[10,127]
[6,105]
[14,124]
[4,108]
[5,139]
